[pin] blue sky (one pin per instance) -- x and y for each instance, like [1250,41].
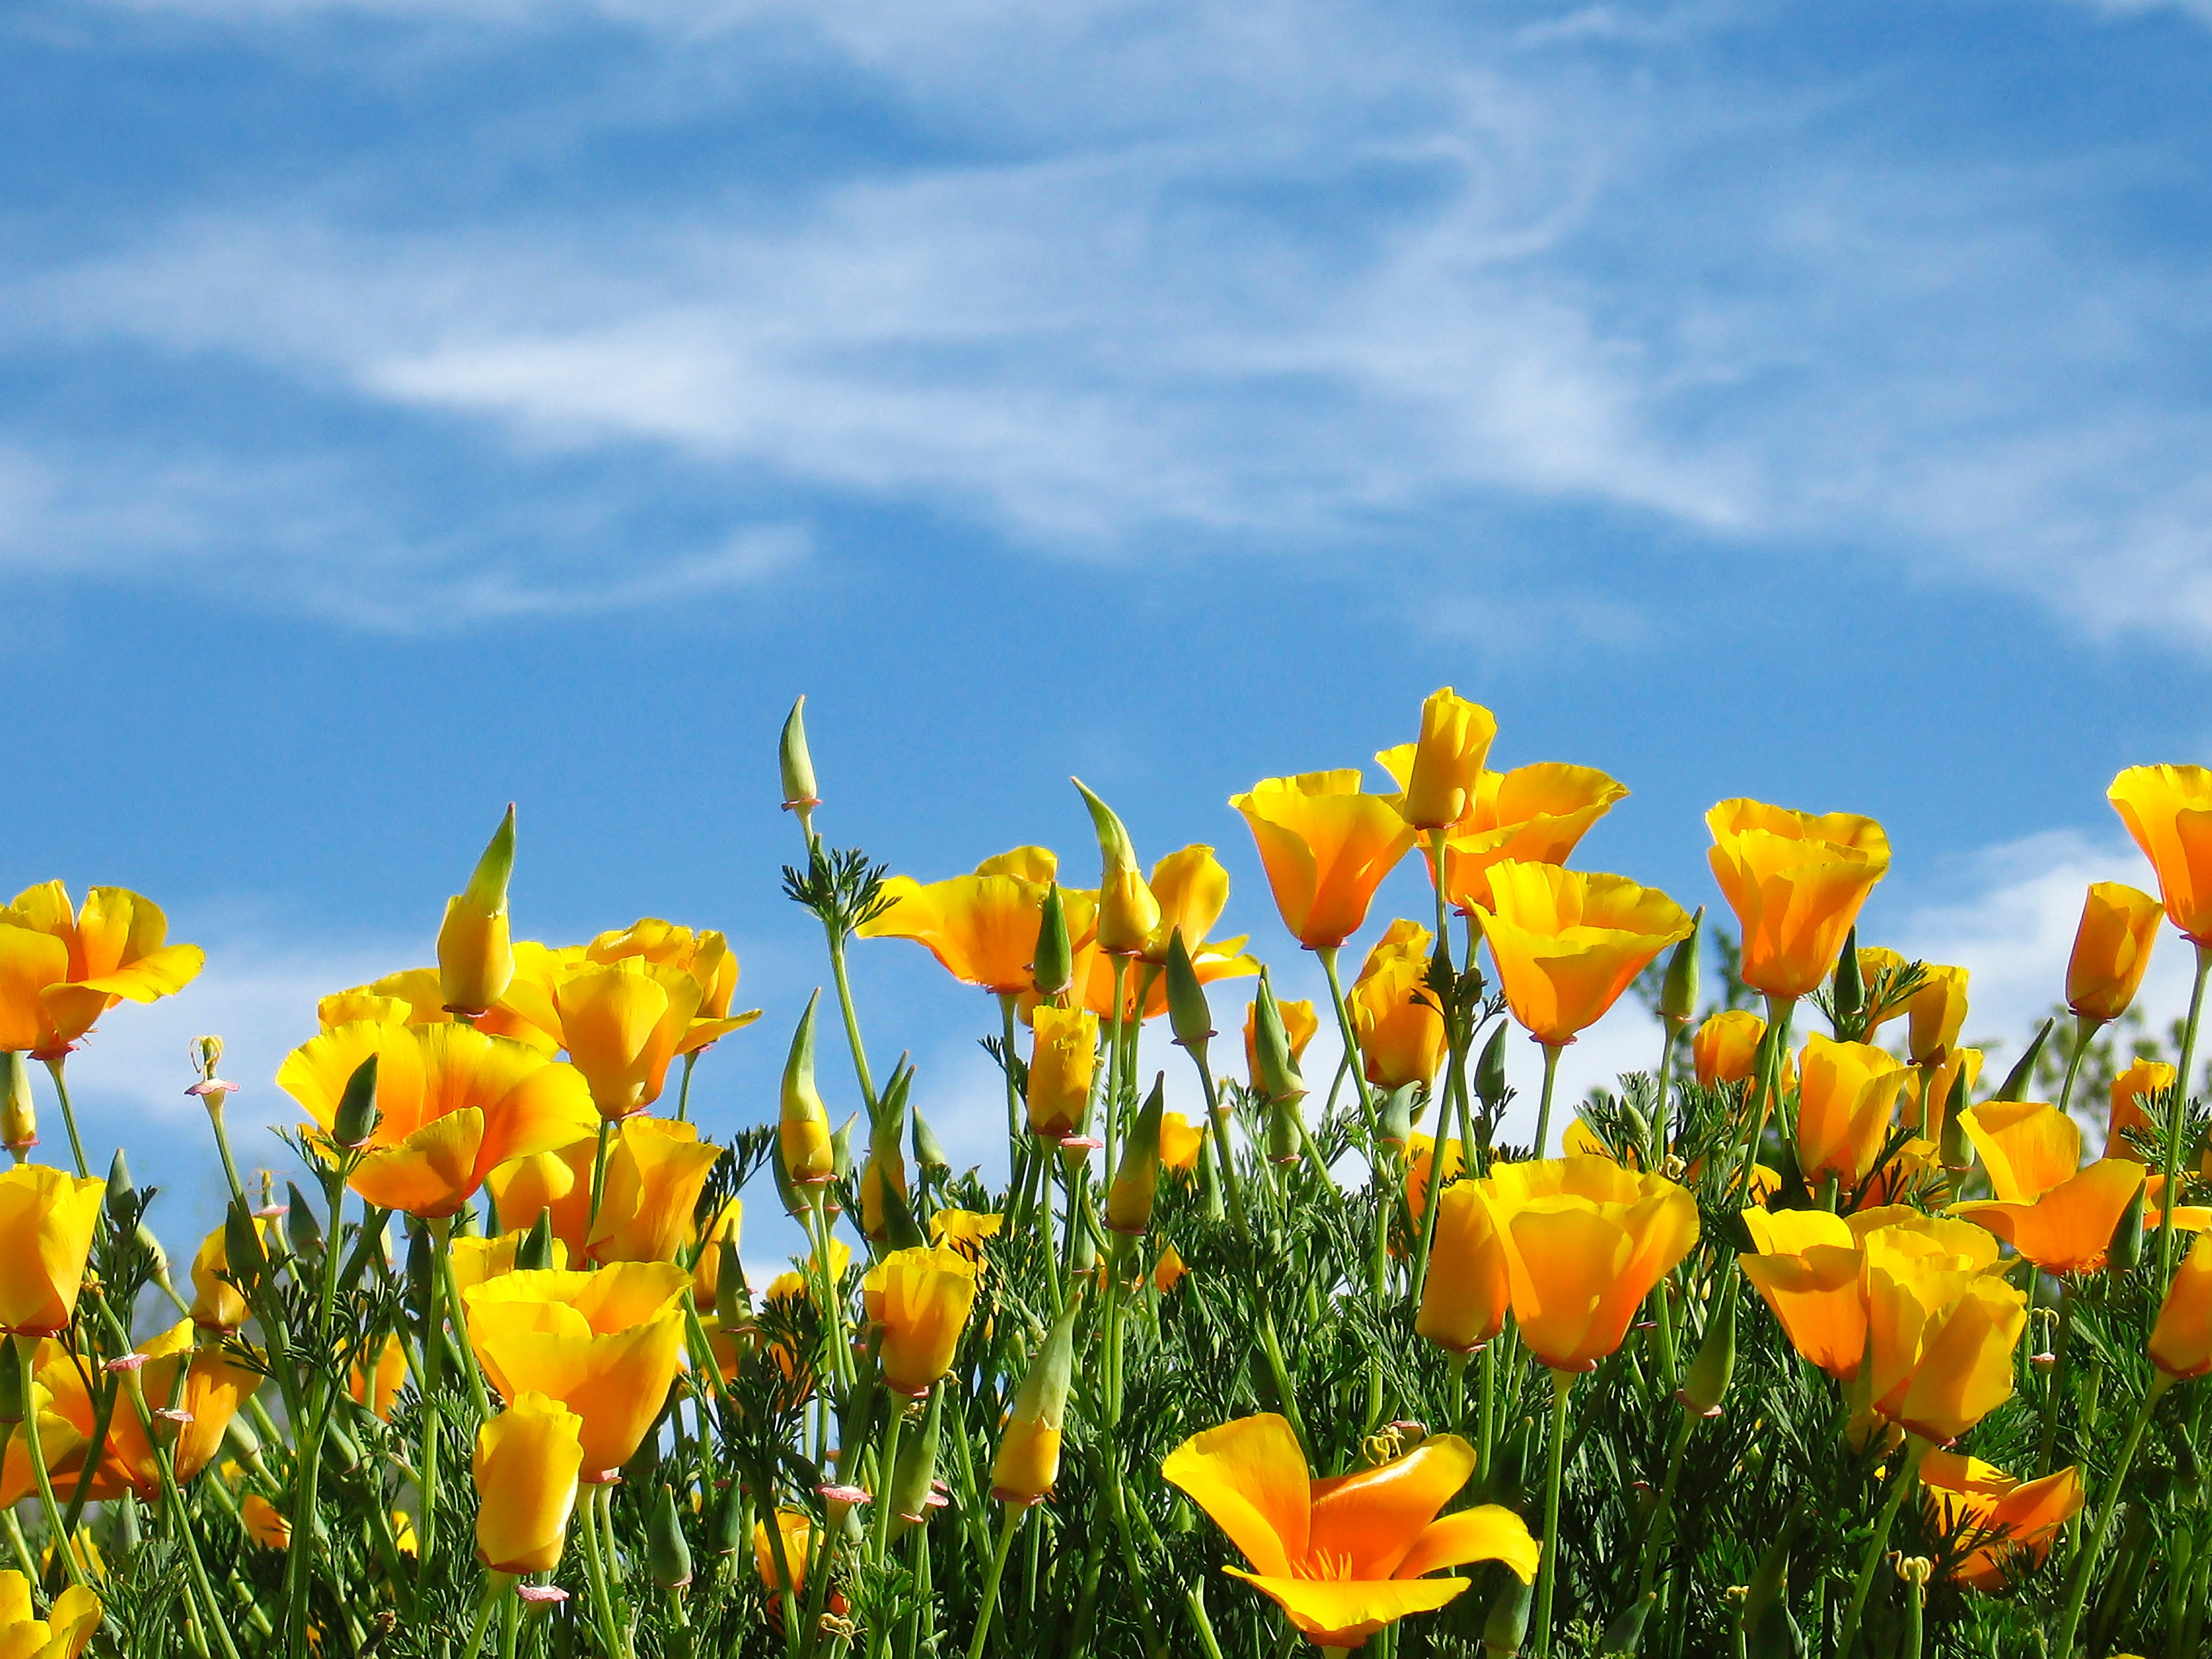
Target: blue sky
[409,407]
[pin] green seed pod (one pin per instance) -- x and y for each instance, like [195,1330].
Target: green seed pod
[1705,1385]
[1280,1079]
[797,765]
[535,1250]
[668,1555]
[356,1117]
[1490,1072]
[1052,968]
[1136,1183]
[1678,994]
[1188,1012]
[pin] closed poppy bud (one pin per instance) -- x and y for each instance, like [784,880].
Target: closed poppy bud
[2168,812]
[913,1481]
[1188,1012]
[2015,1086]
[1169,1270]
[2181,1342]
[19,1113]
[921,1298]
[1678,992]
[1725,1049]
[1063,1059]
[1796,881]
[928,1151]
[1938,1009]
[216,1304]
[797,765]
[1464,1301]
[1054,968]
[1285,1142]
[526,1462]
[1490,1072]
[808,1159]
[47,1220]
[1446,764]
[301,1229]
[1127,911]
[1129,1199]
[534,1251]
[475,957]
[355,1120]
[1028,1460]
[2111,949]
[2126,1247]
[1275,1060]
[1705,1384]
[667,1553]
[1848,988]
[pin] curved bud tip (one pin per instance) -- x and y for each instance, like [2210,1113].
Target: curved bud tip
[487,888]
[796,764]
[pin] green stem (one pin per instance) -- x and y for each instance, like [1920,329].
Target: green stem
[1663,1512]
[852,1019]
[887,1470]
[1552,1052]
[1908,1471]
[54,1068]
[62,1545]
[440,1231]
[598,1175]
[2046,1444]
[595,1577]
[2085,1559]
[2085,1030]
[2170,1194]
[989,1604]
[1547,1576]
[683,1089]
[498,1588]
[1772,1045]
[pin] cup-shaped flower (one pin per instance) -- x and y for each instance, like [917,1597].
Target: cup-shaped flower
[2168,810]
[1568,943]
[453,1104]
[62,968]
[796,1528]
[1182,1142]
[1327,845]
[1807,1265]
[525,1466]
[1421,1163]
[1401,1030]
[622,1021]
[920,1298]
[1796,881]
[1464,1301]
[2132,1091]
[2001,1525]
[703,953]
[1847,1103]
[414,996]
[477,1260]
[2053,1211]
[1938,1010]
[1192,889]
[1210,959]
[216,1304]
[1441,774]
[1063,1059]
[1532,815]
[2111,949]
[1585,1242]
[1940,1327]
[1345,1557]
[605,1345]
[47,1220]
[1300,1022]
[2181,1341]
[63,1633]
[655,1173]
[983,928]
[1725,1048]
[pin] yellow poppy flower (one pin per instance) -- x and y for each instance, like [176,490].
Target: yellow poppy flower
[2168,810]
[1796,881]
[2056,1213]
[1567,943]
[47,1220]
[63,1633]
[526,1467]
[2111,949]
[920,1298]
[1441,774]
[983,928]
[1327,845]
[2007,1524]
[1400,1033]
[62,968]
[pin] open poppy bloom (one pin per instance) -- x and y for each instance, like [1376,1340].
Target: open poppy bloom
[983,928]
[2168,810]
[1401,1030]
[62,968]
[1585,1241]
[621,1021]
[1725,1049]
[1568,943]
[1847,1101]
[1806,1267]
[1533,815]
[2059,1216]
[1345,1557]
[1796,881]
[63,1633]
[1327,845]
[1441,774]
[2002,1522]
[1942,1327]
[453,1104]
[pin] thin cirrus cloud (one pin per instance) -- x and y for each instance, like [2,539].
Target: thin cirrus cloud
[1257,278]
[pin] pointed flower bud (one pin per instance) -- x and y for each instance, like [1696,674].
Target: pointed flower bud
[1028,1462]
[1707,1384]
[122,1199]
[1278,1075]
[928,1152]
[304,1232]
[19,1113]
[914,1480]
[2016,1086]
[810,1157]
[1129,1201]
[1053,968]
[475,957]
[1188,1012]
[797,765]
[2126,1247]
[1849,987]
[356,1117]
[1490,1071]
[1127,912]
[1678,996]
[534,1253]
[667,1553]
